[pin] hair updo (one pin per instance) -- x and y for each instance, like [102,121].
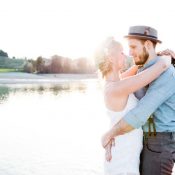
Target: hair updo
[101,56]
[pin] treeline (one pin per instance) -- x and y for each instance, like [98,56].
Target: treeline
[11,63]
[55,64]
[59,64]
[3,54]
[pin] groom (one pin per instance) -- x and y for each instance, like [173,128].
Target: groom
[156,100]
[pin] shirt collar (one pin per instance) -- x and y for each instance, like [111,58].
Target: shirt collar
[150,63]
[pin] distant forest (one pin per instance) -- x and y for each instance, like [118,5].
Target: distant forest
[55,64]
[59,64]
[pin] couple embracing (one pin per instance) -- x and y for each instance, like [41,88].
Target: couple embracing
[141,105]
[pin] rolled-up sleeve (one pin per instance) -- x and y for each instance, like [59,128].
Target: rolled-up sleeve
[158,92]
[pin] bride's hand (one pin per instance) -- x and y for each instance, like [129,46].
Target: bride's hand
[167,52]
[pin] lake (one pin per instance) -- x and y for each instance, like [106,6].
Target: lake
[52,129]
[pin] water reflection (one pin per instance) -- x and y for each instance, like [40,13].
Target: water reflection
[5,90]
[4,93]
[51,130]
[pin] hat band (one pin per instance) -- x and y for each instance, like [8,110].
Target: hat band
[139,34]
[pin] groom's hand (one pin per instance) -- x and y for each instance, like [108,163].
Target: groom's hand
[106,139]
[108,153]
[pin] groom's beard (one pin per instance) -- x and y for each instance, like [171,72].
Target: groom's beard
[143,57]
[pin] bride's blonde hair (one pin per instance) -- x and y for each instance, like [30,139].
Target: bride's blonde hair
[101,56]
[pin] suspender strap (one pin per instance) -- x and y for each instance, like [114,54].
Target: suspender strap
[154,127]
[151,125]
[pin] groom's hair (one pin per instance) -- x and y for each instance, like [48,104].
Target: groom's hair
[173,61]
[143,41]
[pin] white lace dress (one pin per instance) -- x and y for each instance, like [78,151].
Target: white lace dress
[127,149]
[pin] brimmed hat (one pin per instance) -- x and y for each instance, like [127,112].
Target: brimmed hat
[143,32]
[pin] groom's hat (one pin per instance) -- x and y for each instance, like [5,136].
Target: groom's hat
[143,32]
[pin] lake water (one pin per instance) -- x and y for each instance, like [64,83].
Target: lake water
[52,129]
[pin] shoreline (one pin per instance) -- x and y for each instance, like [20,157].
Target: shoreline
[28,78]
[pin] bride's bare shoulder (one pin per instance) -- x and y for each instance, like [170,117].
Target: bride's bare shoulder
[115,101]
[115,89]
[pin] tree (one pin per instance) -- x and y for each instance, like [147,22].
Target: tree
[56,64]
[67,65]
[40,64]
[29,67]
[3,54]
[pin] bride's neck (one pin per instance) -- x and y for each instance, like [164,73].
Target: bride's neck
[113,76]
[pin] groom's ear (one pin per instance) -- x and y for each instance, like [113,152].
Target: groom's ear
[148,44]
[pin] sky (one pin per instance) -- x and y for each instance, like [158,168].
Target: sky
[74,28]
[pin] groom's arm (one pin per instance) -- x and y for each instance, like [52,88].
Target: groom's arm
[158,92]
[120,128]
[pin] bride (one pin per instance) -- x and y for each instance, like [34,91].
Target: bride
[124,158]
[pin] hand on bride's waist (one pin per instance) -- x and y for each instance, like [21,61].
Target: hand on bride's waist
[107,140]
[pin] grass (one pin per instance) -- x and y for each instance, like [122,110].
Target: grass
[3,70]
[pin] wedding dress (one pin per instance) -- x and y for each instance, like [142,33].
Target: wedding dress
[126,151]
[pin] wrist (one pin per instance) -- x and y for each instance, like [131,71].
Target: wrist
[115,131]
[162,64]
[135,66]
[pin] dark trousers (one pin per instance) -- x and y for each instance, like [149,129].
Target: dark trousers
[158,154]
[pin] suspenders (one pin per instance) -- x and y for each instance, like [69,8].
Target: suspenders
[151,129]
[151,126]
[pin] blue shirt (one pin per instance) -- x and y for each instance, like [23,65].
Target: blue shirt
[159,100]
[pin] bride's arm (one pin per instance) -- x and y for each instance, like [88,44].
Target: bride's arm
[134,83]
[130,72]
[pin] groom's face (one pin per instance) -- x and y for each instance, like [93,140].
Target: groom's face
[138,51]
